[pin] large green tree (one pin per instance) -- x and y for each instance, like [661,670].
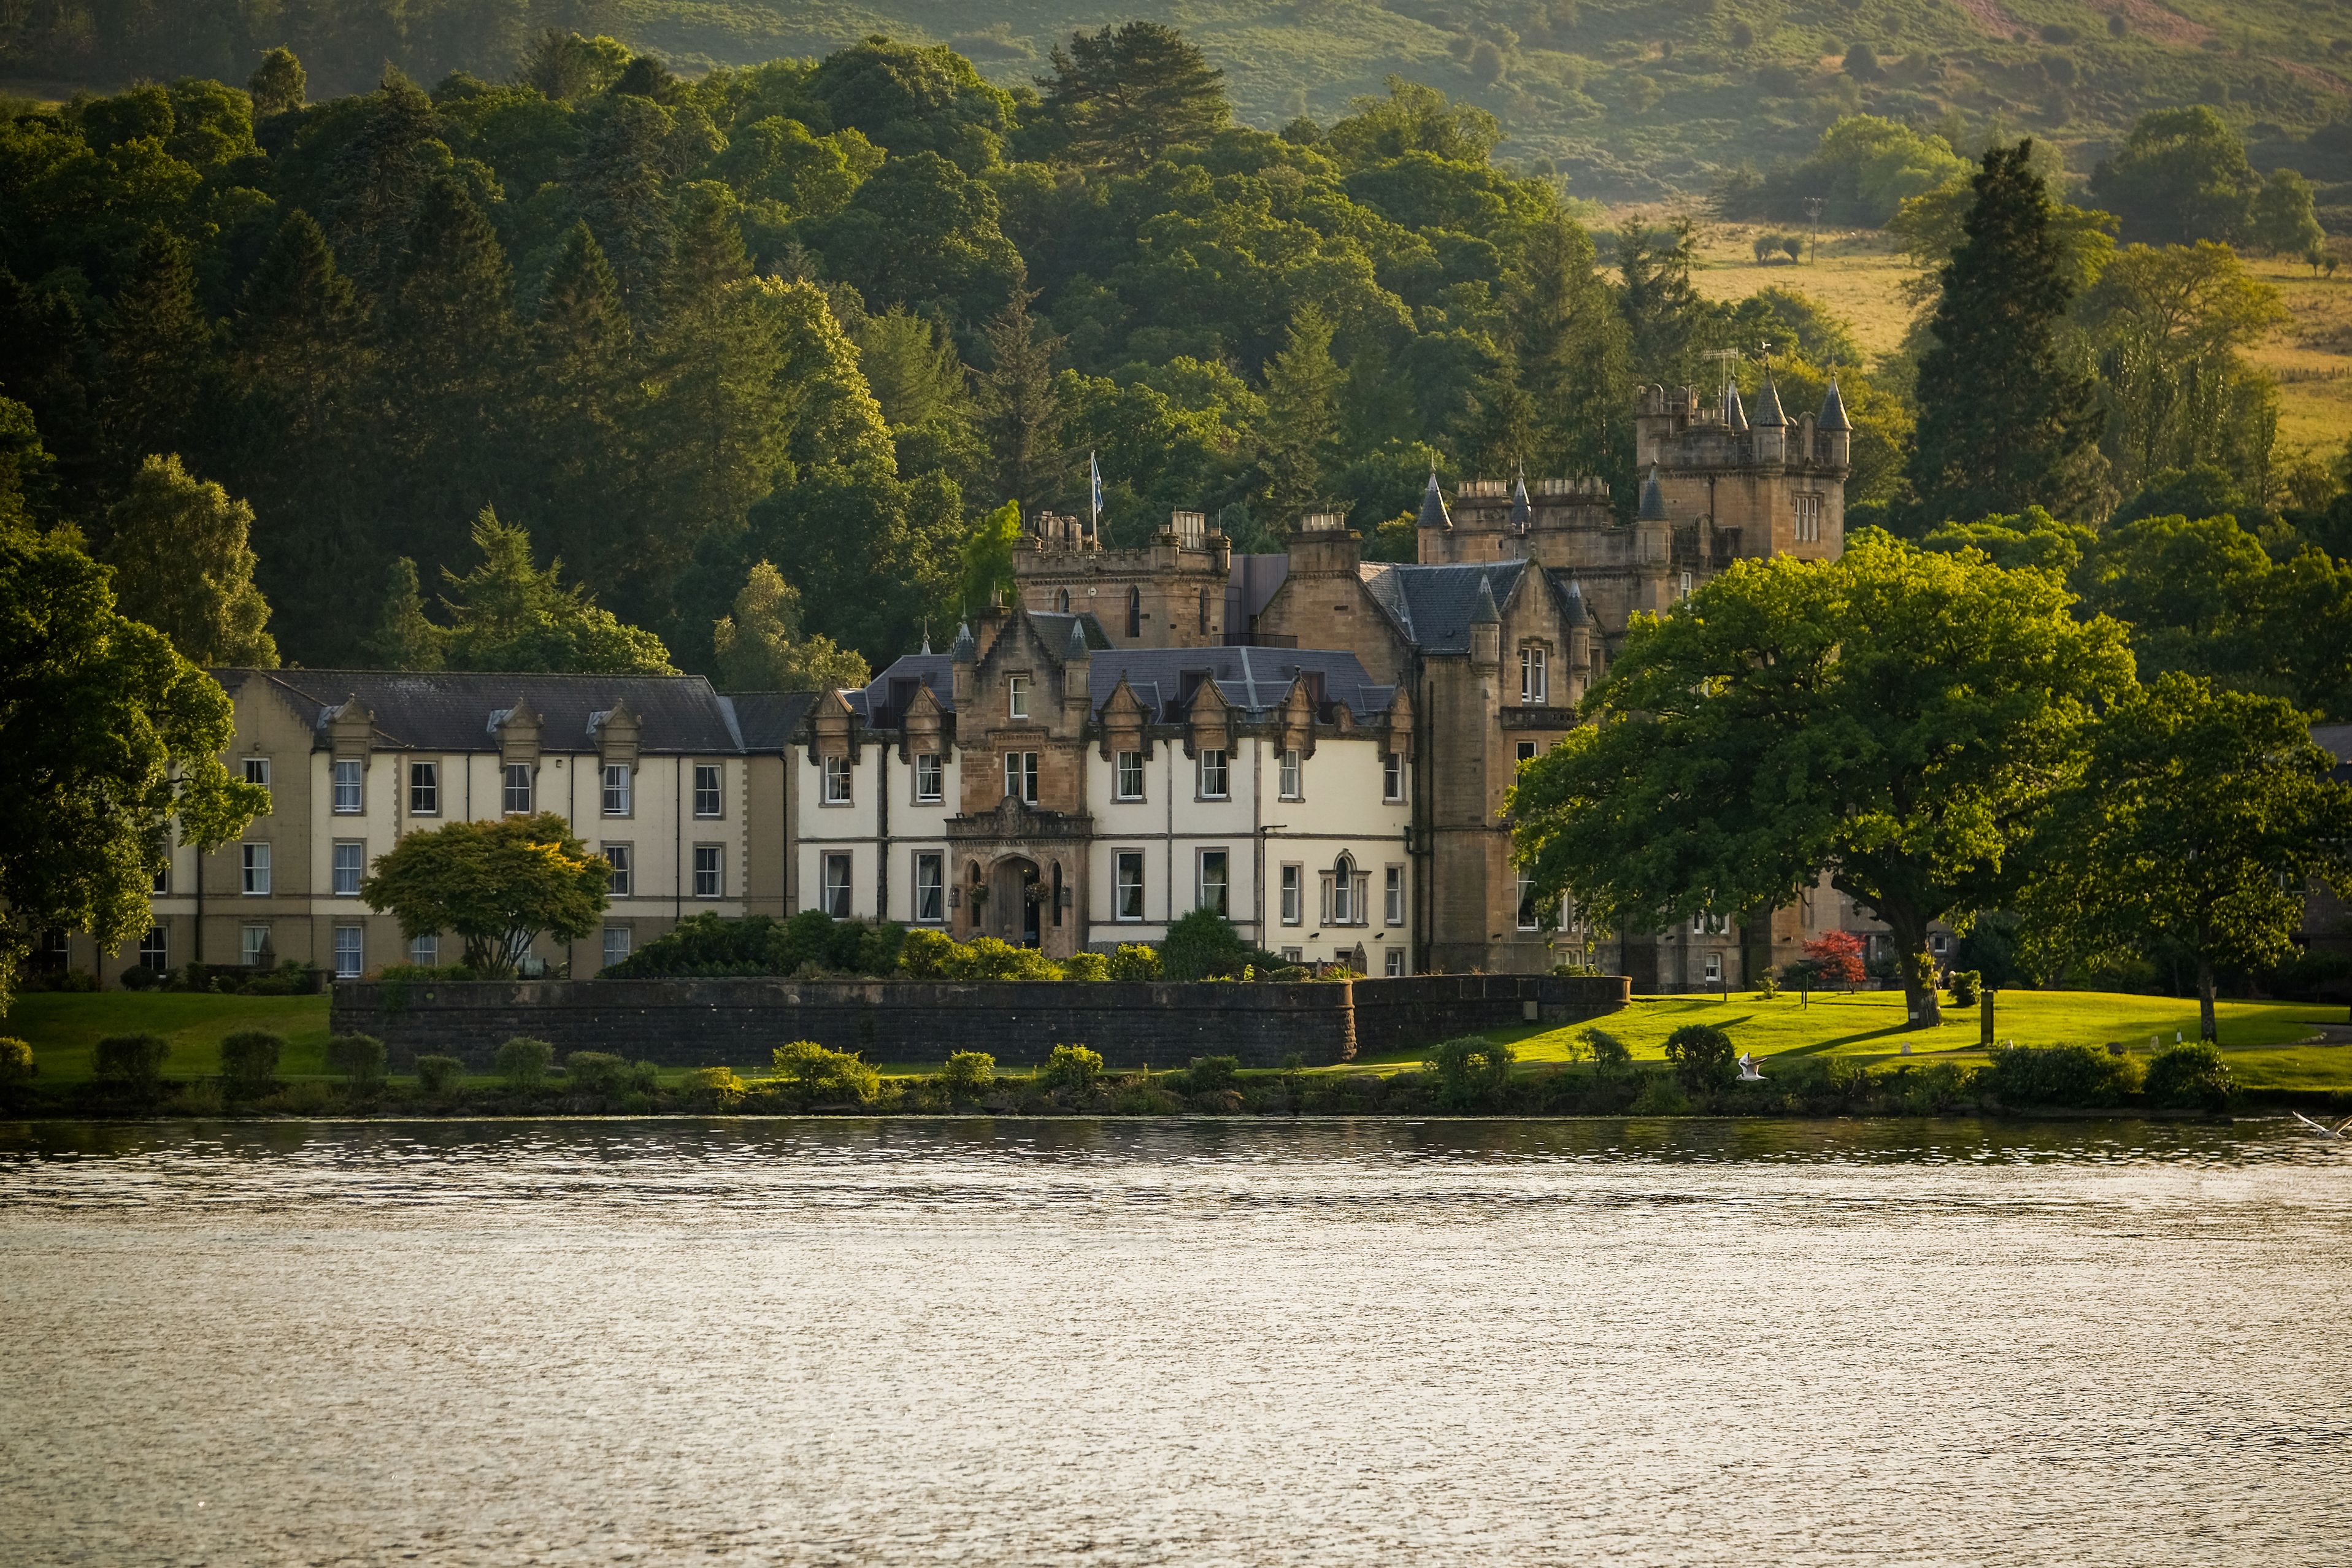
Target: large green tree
[183,563]
[2180,176]
[109,748]
[1895,717]
[2201,817]
[2004,422]
[509,613]
[498,884]
[1020,417]
[762,647]
[1124,96]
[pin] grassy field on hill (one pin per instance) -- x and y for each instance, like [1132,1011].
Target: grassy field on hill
[1636,99]
[2264,1040]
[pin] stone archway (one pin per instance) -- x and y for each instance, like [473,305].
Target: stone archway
[1012,913]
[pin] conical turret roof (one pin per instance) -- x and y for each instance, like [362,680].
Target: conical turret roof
[967,646]
[1653,499]
[1576,613]
[1767,406]
[1075,645]
[1734,413]
[1521,512]
[1833,410]
[1432,505]
[1482,611]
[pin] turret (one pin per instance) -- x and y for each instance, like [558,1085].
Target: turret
[1836,430]
[1486,627]
[1770,427]
[1522,513]
[1078,664]
[966,657]
[1432,506]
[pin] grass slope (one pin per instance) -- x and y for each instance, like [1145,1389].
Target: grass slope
[2263,1039]
[1636,98]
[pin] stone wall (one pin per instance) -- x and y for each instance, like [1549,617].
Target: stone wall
[701,1022]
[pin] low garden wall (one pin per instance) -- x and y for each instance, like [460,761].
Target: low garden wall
[708,1022]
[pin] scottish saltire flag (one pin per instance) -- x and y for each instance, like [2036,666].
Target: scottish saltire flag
[1094,470]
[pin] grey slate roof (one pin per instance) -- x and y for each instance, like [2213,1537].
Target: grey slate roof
[1254,679]
[1432,506]
[766,720]
[1768,405]
[452,710]
[884,700]
[1432,605]
[1832,410]
[1653,499]
[1054,628]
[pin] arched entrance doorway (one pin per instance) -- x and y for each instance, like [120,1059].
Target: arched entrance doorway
[1012,900]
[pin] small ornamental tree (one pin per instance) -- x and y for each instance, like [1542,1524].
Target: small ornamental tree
[1837,958]
[498,884]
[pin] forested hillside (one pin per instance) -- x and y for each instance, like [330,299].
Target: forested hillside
[601,366]
[1628,99]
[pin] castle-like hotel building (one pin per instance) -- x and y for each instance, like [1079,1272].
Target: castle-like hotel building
[1315,744]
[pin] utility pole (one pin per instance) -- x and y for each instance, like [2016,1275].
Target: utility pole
[1814,211]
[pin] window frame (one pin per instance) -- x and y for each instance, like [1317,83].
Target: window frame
[836,771]
[155,943]
[846,887]
[937,790]
[628,945]
[518,778]
[335,868]
[621,880]
[249,951]
[930,901]
[1535,675]
[1121,860]
[424,785]
[617,791]
[1222,765]
[1290,775]
[1393,963]
[347,773]
[1527,915]
[1118,776]
[255,867]
[1016,695]
[428,956]
[356,947]
[1223,858]
[1392,779]
[256,771]
[1392,896]
[1294,893]
[713,794]
[1021,776]
[160,885]
[716,855]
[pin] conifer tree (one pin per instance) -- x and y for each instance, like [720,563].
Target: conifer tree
[277,84]
[509,613]
[1670,323]
[1020,417]
[1301,445]
[156,354]
[378,179]
[586,407]
[761,647]
[405,638]
[1123,97]
[183,565]
[2004,423]
[1571,347]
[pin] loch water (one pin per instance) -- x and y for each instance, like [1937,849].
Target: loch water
[1322,1342]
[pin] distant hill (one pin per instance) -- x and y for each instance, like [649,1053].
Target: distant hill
[1630,100]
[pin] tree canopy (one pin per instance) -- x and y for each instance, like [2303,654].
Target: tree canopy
[499,885]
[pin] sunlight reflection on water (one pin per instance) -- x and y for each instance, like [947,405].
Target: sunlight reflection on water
[1205,1341]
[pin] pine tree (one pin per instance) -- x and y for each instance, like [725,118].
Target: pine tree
[510,613]
[2004,424]
[1123,97]
[157,353]
[1670,323]
[760,648]
[1020,417]
[1300,447]
[378,179]
[586,405]
[277,84]
[183,565]
[1571,352]
[406,639]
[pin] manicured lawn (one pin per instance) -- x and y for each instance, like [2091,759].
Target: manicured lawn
[2262,1038]
[63,1028]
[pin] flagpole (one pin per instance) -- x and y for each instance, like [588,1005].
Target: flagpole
[1094,497]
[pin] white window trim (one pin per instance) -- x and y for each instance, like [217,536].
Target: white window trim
[937,857]
[1016,696]
[1118,779]
[827,766]
[627,791]
[1143,887]
[335,769]
[718,853]
[1292,896]
[434,769]
[825,884]
[335,868]
[1201,877]
[629,853]
[718,812]
[1200,789]
[938,792]
[247,864]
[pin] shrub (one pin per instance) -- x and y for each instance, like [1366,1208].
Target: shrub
[139,977]
[359,1058]
[17,1068]
[1203,945]
[967,1075]
[1766,986]
[1087,965]
[1135,961]
[1071,1067]
[1213,1075]
[1606,1049]
[817,1073]
[1963,984]
[1144,1100]
[926,955]
[522,1062]
[1703,1058]
[440,1076]
[987,958]
[198,1096]
[1659,1095]
[762,944]
[249,1061]
[714,1087]
[2077,1075]
[1470,1068]
[131,1059]
[597,1072]
[2192,1074]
